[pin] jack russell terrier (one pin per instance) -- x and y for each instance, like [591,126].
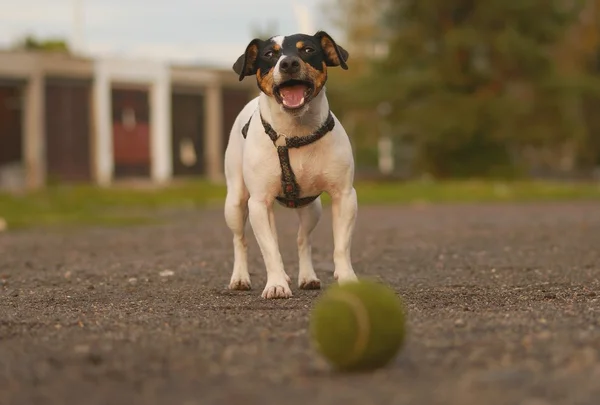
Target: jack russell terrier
[287,146]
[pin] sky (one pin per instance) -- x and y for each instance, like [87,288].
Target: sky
[197,31]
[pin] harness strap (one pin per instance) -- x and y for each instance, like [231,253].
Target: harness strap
[245,128]
[289,185]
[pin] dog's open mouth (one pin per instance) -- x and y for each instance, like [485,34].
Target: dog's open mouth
[294,94]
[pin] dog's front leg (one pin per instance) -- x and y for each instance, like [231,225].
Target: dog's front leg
[277,280]
[309,217]
[344,208]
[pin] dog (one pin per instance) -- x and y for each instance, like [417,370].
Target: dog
[286,146]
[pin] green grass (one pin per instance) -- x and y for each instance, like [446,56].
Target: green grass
[117,206]
[90,205]
[475,191]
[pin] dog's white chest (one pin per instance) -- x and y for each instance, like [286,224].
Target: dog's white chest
[308,170]
[309,165]
[303,170]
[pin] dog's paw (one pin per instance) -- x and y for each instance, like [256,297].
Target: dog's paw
[309,284]
[345,277]
[288,279]
[276,289]
[240,284]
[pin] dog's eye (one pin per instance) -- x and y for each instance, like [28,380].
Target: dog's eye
[308,49]
[269,54]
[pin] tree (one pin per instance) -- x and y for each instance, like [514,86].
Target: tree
[581,54]
[472,81]
[30,43]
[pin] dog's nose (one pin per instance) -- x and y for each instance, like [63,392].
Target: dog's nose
[290,64]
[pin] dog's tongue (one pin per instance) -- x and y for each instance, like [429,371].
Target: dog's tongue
[293,96]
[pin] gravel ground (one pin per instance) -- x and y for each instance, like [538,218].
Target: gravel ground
[503,307]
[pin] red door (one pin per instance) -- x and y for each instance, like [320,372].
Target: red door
[131,132]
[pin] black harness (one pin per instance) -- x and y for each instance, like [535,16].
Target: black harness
[291,190]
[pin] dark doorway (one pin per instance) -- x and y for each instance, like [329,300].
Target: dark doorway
[11,123]
[187,120]
[67,120]
[233,102]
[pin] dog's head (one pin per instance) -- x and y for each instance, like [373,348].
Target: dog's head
[291,69]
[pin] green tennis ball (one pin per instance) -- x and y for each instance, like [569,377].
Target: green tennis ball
[358,326]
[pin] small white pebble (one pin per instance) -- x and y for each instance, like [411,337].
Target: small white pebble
[132,280]
[166,273]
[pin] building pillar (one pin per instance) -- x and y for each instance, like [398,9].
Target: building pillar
[214,132]
[103,153]
[34,138]
[161,155]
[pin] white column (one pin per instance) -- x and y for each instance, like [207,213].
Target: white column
[103,153]
[160,129]
[34,155]
[385,144]
[386,155]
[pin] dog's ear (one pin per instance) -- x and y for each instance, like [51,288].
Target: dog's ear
[335,55]
[246,64]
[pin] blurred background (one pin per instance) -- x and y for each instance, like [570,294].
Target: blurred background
[463,88]
[102,91]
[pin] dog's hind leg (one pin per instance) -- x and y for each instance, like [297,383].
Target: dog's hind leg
[309,217]
[236,216]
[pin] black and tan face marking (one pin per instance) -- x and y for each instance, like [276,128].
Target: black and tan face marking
[293,69]
[265,81]
[331,53]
